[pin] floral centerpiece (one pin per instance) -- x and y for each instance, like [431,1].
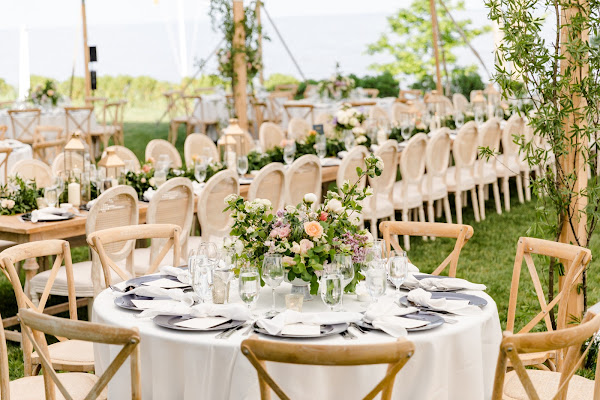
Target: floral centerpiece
[45,93]
[348,118]
[19,196]
[307,235]
[338,87]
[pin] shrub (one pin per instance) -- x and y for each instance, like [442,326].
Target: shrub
[385,83]
[280,79]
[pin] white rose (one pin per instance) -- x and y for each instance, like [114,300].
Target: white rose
[310,198]
[290,209]
[295,248]
[10,204]
[354,121]
[334,205]
[361,140]
[230,198]
[265,202]
[3,203]
[359,130]
[152,182]
[239,247]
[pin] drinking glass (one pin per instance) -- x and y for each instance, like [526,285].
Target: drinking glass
[459,119]
[345,267]
[499,113]
[207,155]
[59,183]
[349,140]
[331,289]
[376,279]
[208,251]
[160,177]
[242,165]
[289,153]
[398,270]
[321,150]
[200,274]
[200,172]
[249,286]
[405,130]
[272,273]
[478,116]
[225,269]
[51,196]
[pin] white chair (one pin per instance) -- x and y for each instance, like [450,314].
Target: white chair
[526,169]
[302,177]
[407,192]
[460,102]
[434,186]
[199,145]
[298,129]
[172,203]
[446,106]
[126,155]
[58,165]
[381,204]
[158,147]
[270,135]
[377,113]
[399,110]
[461,177]
[33,170]
[485,170]
[508,165]
[269,184]
[347,170]
[326,120]
[214,223]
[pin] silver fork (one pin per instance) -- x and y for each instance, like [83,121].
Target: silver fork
[348,335]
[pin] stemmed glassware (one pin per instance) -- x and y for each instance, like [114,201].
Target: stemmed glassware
[201,274]
[321,146]
[459,119]
[289,153]
[478,115]
[51,196]
[272,274]
[344,266]
[398,269]
[200,171]
[208,251]
[349,140]
[249,285]
[242,165]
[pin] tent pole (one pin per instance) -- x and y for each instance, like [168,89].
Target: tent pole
[436,50]
[86,55]
[261,75]
[240,77]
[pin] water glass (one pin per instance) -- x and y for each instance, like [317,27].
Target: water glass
[208,251]
[59,183]
[349,140]
[478,116]
[376,279]
[343,265]
[289,153]
[249,286]
[200,172]
[331,290]
[459,120]
[272,274]
[405,130]
[321,150]
[398,270]
[201,276]
[242,165]
[160,177]
[51,196]
[499,113]
[163,163]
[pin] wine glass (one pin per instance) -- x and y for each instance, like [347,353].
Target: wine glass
[459,119]
[59,183]
[242,165]
[398,270]
[208,251]
[272,273]
[349,140]
[225,267]
[478,116]
[321,150]
[51,196]
[200,172]
[163,163]
[405,129]
[331,289]
[289,153]
[200,275]
[499,113]
[249,285]
[345,267]
[376,279]
[160,177]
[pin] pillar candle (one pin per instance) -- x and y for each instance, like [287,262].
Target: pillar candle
[74,190]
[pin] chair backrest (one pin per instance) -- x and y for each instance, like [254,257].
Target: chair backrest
[461,103]
[58,165]
[462,233]
[45,148]
[3,129]
[172,203]
[302,177]
[445,105]
[399,110]
[35,325]
[488,137]
[5,152]
[347,169]
[412,161]
[371,93]
[198,144]
[270,135]
[126,155]
[214,223]
[291,87]
[114,208]
[100,240]
[514,126]
[298,128]
[464,148]
[157,147]
[24,123]
[377,113]
[396,354]
[566,341]
[79,119]
[275,104]
[382,185]
[438,153]
[21,252]
[33,170]
[269,184]
[578,259]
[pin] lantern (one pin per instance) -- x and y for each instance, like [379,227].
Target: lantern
[74,154]
[112,163]
[232,143]
[479,107]
[434,109]
[493,99]
[413,113]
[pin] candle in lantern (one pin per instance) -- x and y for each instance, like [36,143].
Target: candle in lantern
[74,190]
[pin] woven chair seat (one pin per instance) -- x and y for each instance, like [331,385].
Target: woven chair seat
[439,190]
[414,197]
[74,353]
[32,387]
[467,182]
[546,384]
[489,174]
[383,207]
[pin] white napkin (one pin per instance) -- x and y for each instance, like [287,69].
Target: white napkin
[197,187]
[90,204]
[245,181]
[48,213]
[158,292]
[384,315]
[330,162]
[411,282]
[288,317]
[342,154]
[237,312]
[202,323]
[149,194]
[183,276]
[166,283]
[433,284]
[458,307]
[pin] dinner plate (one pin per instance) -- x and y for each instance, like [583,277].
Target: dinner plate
[473,300]
[125,301]
[55,217]
[135,282]
[170,321]
[326,330]
[424,276]
[434,322]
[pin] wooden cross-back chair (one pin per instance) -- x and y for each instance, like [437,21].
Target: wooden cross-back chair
[197,117]
[4,154]
[306,111]
[47,149]
[462,233]
[23,123]
[66,355]
[522,383]
[395,354]
[35,325]
[99,240]
[578,259]
[80,119]
[275,104]
[371,93]
[3,129]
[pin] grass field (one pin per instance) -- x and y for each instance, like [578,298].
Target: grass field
[487,258]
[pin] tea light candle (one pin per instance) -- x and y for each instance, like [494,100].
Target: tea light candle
[74,190]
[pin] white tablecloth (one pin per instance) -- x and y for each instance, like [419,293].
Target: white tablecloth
[53,117]
[20,151]
[454,361]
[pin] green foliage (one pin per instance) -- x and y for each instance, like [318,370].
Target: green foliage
[384,82]
[280,79]
[409,40]
[19,196]
[7,92]
[462,80]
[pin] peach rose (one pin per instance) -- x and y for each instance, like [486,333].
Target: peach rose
[313,229]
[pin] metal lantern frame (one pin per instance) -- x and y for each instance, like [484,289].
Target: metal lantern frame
[112,163]
[74,147]
[232,141]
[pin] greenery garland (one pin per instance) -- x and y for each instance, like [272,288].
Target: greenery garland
[19,196]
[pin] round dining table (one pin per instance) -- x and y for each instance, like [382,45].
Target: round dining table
[452,361]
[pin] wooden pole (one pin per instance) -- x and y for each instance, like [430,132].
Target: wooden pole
[574,231]
[240,77]
[261,75]
[436,51]
[86,55]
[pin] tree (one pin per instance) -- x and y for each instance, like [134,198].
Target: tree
[410,41]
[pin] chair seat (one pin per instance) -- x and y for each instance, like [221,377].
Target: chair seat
[82,274]
[78,385]
[181,119]
[103,130]
[507,167]
[383,207]
[467,182]
[70,355]
[411,199]
[439,190]
[546,383]
[538,358]
[142,260]
[198,121]
[489,174]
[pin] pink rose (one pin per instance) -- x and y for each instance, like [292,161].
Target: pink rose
[313,229]
[288,261]
[146,168]
[305,246]
[284,232]
[323,216]
[274,233]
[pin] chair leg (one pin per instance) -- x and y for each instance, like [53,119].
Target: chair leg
[430,214]
[458,204]
[447,210]
[506,191]
[406,238]
[497,197]
[374,227]
[438,209]
[475,204]
[526,186]
[520,188]
[422,217]
[481,189]
[464,201]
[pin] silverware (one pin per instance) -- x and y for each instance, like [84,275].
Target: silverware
[348,335]
[116,289]
[250,329]
[358,328]
[442,316]
[220,334]
[231,332]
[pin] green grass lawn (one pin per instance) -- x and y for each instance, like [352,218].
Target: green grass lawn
[487,258]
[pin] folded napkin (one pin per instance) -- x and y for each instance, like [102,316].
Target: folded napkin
[342,154]
[330,162]
[182,275]
[458,307]
[149,194]
[289,317]
[411,282]
[237,312]
[48,213]
[197,187]
[90,204]
[158,292]
[245,181]
[384,315]
[441,284]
